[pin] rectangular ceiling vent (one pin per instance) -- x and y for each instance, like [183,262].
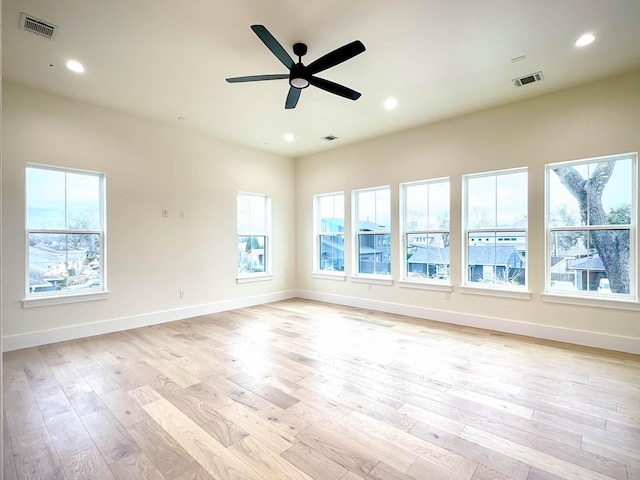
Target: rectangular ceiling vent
[534,77]
[39,27]
[330,138]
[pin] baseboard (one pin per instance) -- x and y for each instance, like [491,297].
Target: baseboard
[547,332]
[34,339]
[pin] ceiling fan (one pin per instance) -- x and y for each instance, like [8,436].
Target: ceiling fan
[301,76]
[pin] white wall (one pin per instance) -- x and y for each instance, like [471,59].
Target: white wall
[597,119]
[149,166]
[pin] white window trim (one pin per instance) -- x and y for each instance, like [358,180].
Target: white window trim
[254,277]
[316,272]
[385,279]
[409,282]
[63,299]
[586,298]
[495,289]
[338,276]
[65,296]
[373,279]
[267,274]
[426,285]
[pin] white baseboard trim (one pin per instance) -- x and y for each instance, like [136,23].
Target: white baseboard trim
[547,332]
[35,339]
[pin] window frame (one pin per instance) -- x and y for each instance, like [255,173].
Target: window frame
[57,297]
[317,271]
[406,280]
[588,297]
[497,289]
[266,233]
[357,276]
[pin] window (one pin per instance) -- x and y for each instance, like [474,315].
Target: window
[329,224]
[425,215]
[591,227]
[496,229]
[373,238]
[65,232]
[254,219]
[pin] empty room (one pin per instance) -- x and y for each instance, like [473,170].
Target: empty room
[334,240]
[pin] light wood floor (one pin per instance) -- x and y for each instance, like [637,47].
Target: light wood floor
[299,390]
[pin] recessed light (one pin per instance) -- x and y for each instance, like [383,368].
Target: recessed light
[390,103]
[75,66]
[289,137]
[585,39]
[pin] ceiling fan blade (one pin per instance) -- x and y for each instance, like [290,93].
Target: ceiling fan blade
[257,78]
[335,88]
[335,57]
[292,98]
[273,45]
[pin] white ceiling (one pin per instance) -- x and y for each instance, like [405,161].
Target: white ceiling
[166,59]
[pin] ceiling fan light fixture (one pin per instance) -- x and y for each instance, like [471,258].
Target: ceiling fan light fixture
[299,82]
[75,66]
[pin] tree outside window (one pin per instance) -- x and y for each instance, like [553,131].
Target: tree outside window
[591,224]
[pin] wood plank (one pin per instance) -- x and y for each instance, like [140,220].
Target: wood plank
[211,455]
[109,435]
[86,465]
[313,463]
[170,459]
[265,461]
[528,455]
[68,434]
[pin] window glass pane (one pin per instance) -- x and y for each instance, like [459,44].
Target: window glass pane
[252,254]
[45,199]
[383,210]
[63,262]
[331,252]
[416,204]
[83,202]
[481,202]
[618,195]
[374,253]
[331,213]
[511,200]
[428,256]
[596,261]
[497,258]
[367,211]
[258,216]
[439,205]
[244,214]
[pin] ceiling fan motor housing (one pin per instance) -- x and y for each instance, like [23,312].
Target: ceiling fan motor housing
[299,77]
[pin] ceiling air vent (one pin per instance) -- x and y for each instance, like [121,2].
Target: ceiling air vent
[32,24]
[534,77]
[330,138]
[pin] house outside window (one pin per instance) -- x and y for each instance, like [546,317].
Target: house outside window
[254,219]
[495,236]
[329,228]
[591,219]
[372,227]
[425,240]
[65,232]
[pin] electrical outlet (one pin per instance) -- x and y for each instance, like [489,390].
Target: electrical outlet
[181,213]
[181,293]
[447,295]
[369,286]
[165,212]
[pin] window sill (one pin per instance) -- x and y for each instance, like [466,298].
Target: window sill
[340,277]
[255,278]
[373,279]
[63,299]
[496,292]
[440,287]
[614,303]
